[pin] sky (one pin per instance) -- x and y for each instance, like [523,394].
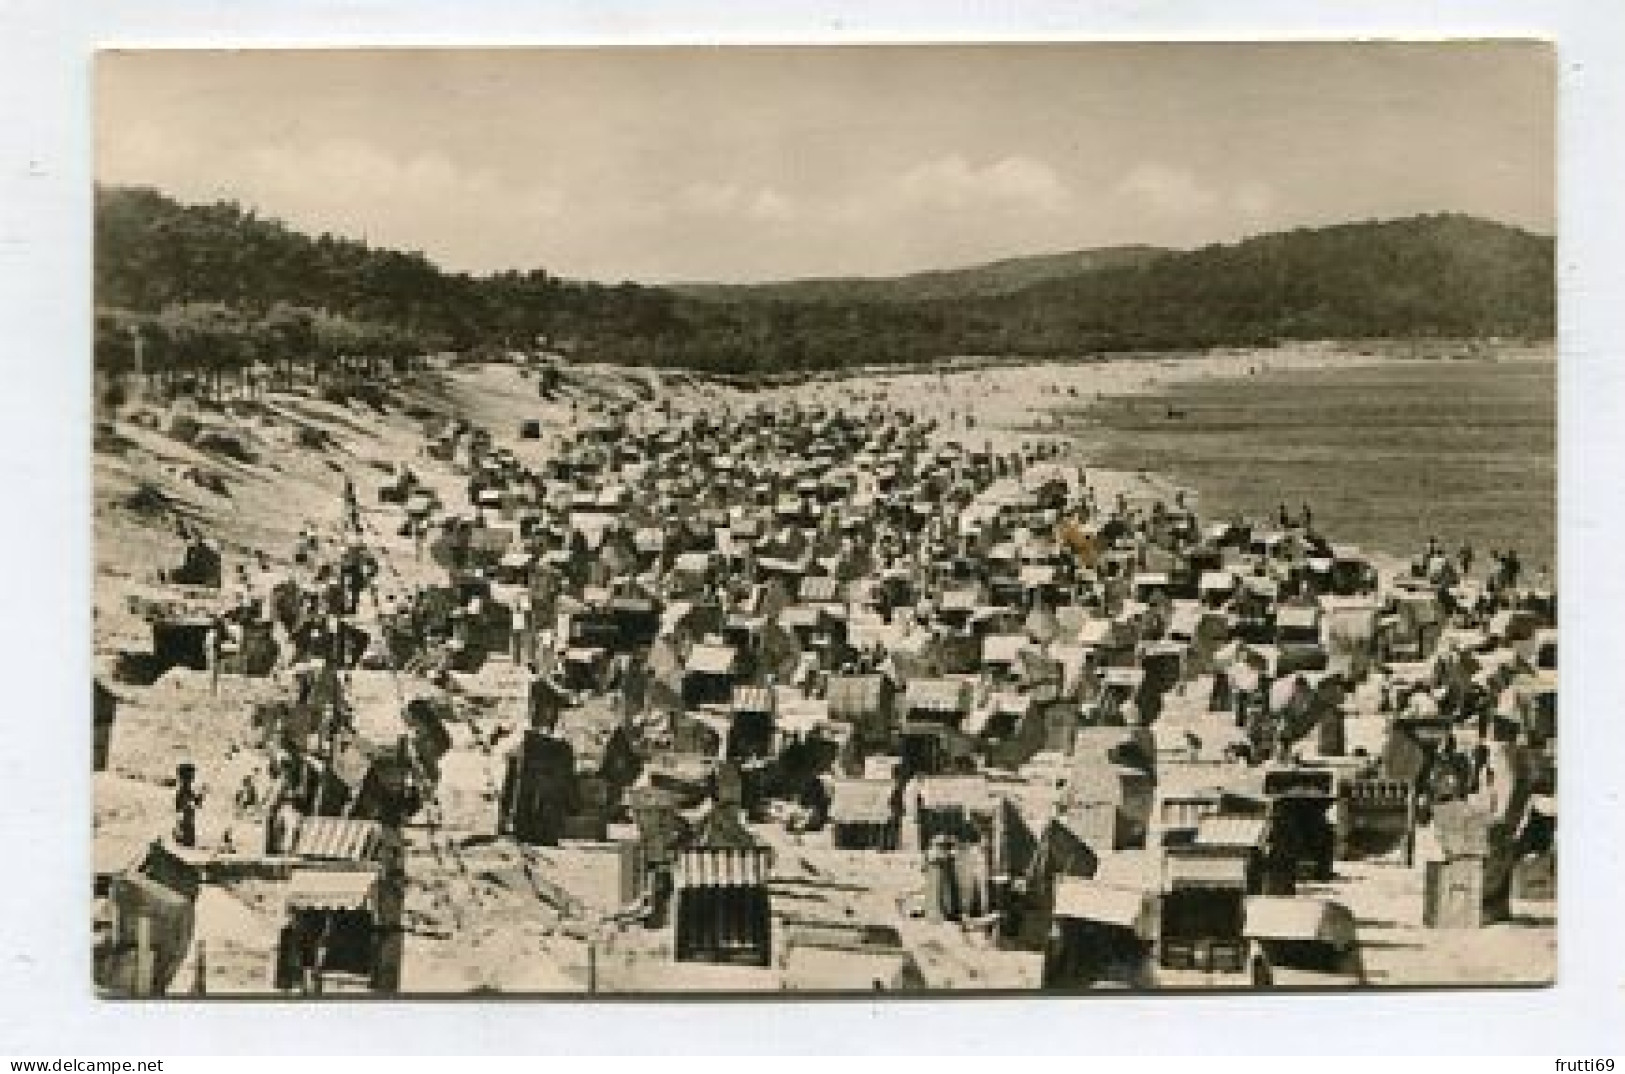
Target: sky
[740,164]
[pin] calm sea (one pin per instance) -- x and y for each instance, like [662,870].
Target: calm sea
[1384,455]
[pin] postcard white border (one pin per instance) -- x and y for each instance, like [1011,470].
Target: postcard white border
[46,1006]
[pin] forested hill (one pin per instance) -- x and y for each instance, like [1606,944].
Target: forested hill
[222,284]
[977,281]
[1443,275]
[153,253]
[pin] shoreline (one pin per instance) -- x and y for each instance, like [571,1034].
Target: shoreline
[1380,349]
[1092,425]
[1020,405]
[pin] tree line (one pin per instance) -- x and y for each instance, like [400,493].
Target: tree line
[210,289]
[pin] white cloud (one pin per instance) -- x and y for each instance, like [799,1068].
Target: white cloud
[336,176]
[461,216]
[727,199]
[710,198]
[1179,198]
[951,182]
[1167,191]
[770,205]
[419,201]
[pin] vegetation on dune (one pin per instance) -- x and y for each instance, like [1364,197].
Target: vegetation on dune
[213,289]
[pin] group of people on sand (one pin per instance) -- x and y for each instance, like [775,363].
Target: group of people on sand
[336,572]
[1305,519]
[1505,573]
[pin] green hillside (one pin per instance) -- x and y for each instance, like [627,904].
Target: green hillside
[994,278]
[217,286]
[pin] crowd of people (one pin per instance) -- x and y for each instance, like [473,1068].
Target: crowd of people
[721,565]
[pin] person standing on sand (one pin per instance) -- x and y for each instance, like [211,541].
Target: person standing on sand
[941,900]
[522,652]
[352,506]
[546,698]
[187,799]
[247,798]
[1465,558]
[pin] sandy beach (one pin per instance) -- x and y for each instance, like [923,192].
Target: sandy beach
[472,899]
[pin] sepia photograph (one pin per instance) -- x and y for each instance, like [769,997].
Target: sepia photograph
[775,521]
